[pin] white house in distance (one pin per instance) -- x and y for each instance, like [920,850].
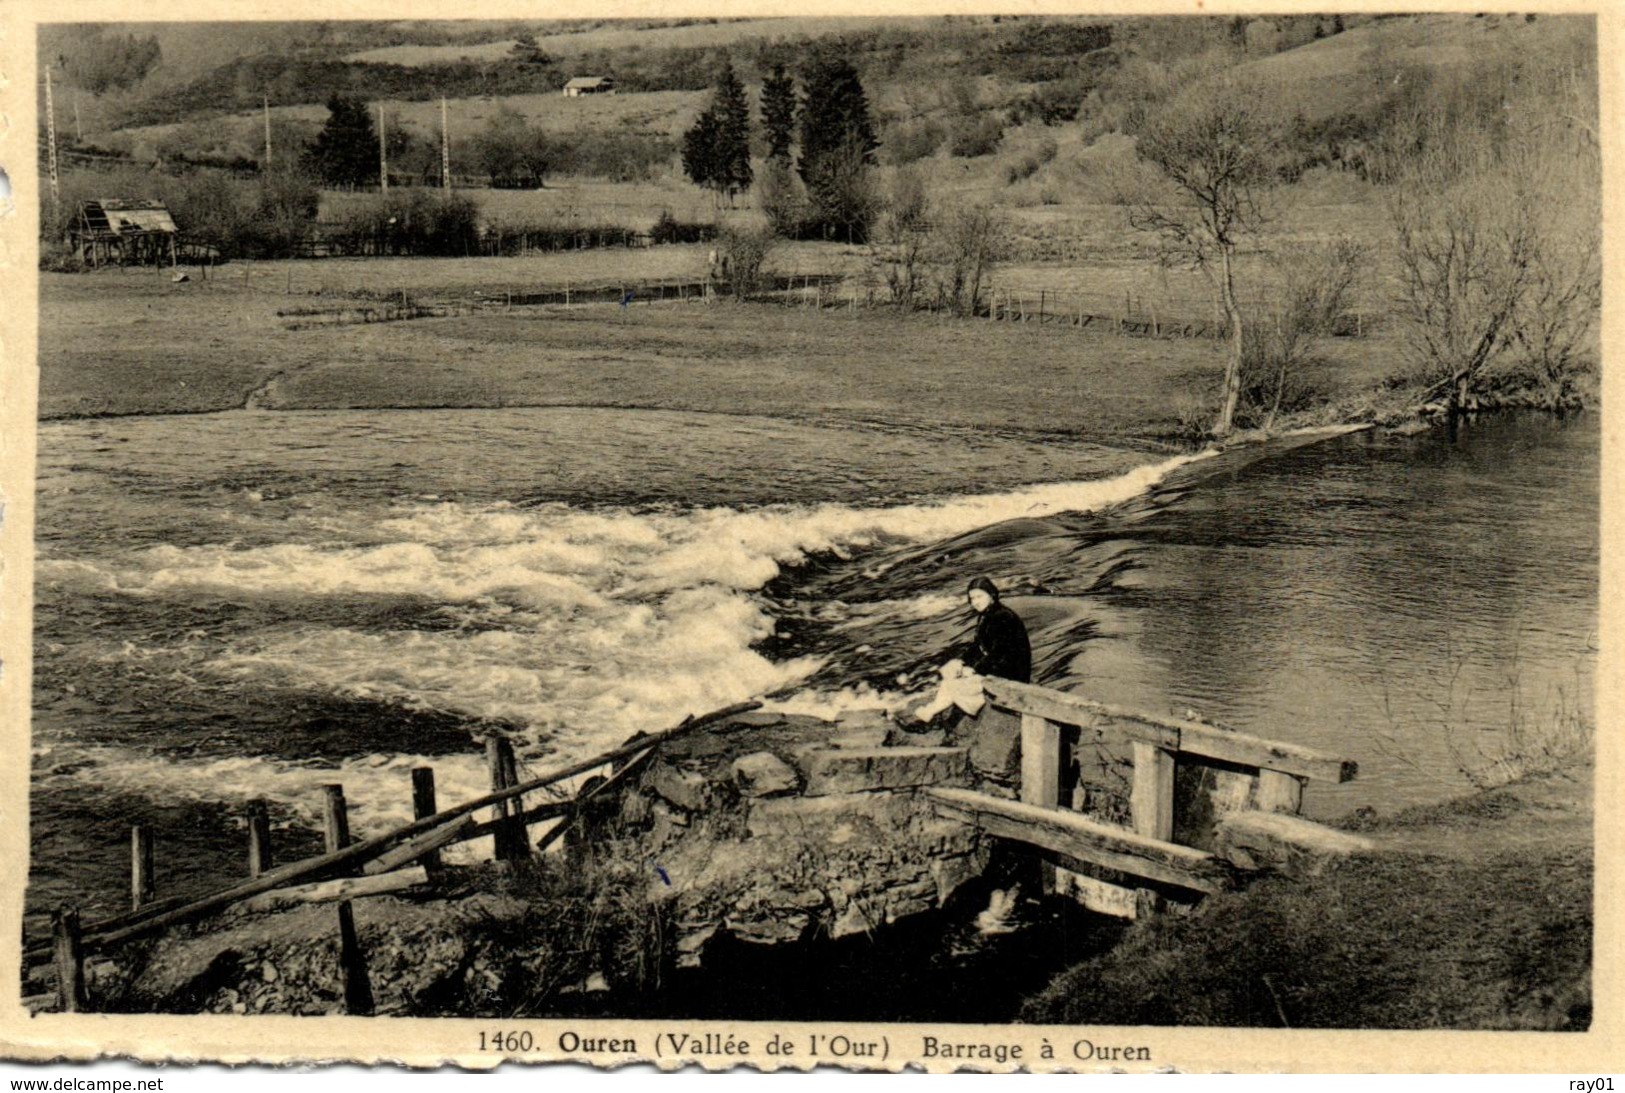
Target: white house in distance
[589,85]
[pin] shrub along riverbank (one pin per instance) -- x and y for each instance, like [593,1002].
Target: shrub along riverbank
[1473,914]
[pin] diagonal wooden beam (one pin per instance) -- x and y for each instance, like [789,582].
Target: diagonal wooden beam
[1086,840]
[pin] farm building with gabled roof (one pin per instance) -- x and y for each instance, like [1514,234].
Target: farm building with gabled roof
[112,230]
[589,85]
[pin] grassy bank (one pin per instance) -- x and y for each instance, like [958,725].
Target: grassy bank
[1472,914]
[133,343]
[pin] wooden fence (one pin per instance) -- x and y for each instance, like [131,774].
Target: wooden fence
[348,869]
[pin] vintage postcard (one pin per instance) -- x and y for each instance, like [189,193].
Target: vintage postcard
[1060,539]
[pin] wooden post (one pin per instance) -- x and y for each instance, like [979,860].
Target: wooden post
[423,805]
[1041,295]
[1041,757]
[353,965]
[508,843]
[1152,806]
[1279,792]
[70,966]
[336,818]
[259,838]
[1152,801]
[352,961]
[142,887]
[1040,761]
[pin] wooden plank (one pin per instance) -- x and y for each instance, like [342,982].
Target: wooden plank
[427,843]
[1152,795]
[547,810]
[1058,706]
[344,888]
[124,927]
[1279,792]
[1254,751]
[1288,844]
[502,845]
[1097,895]
[1085,840]
[1174,734]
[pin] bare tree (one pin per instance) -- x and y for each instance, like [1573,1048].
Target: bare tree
[1218,146]
[1317,282]
[969,242]
[1466,238]
[1558,312]
[906,228]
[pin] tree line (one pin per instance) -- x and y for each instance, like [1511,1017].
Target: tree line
[820,145]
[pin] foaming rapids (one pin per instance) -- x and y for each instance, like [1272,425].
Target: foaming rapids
[581,627]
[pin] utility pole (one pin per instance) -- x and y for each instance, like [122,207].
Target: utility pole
[267,132]
[383,154]
[445,149]
[78,130]
[50,139]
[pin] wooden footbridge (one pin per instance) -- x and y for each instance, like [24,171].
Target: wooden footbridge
[1240,796]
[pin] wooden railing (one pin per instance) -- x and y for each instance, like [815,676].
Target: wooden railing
[1258,774]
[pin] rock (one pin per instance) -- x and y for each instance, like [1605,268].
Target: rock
[687,789]
[899,737]
[763,774]
[860,736]
[770,931]
[864,716]
[268,972]
[857,770]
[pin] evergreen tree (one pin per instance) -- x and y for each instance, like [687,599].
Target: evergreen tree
[716,149]
[733,134]
[834,114]
[700,149]
[837,149]
[346,150]
[779,112]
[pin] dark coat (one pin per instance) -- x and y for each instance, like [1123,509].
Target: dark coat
[1001,647]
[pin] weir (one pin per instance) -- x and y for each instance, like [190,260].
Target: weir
[773,828]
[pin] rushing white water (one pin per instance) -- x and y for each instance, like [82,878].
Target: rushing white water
[582,626]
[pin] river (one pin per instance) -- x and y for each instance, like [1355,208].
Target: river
[253,604]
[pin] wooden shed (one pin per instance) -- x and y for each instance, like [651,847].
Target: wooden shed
[127,232]
[589,85]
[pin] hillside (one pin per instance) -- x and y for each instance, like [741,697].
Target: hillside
[924,75]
